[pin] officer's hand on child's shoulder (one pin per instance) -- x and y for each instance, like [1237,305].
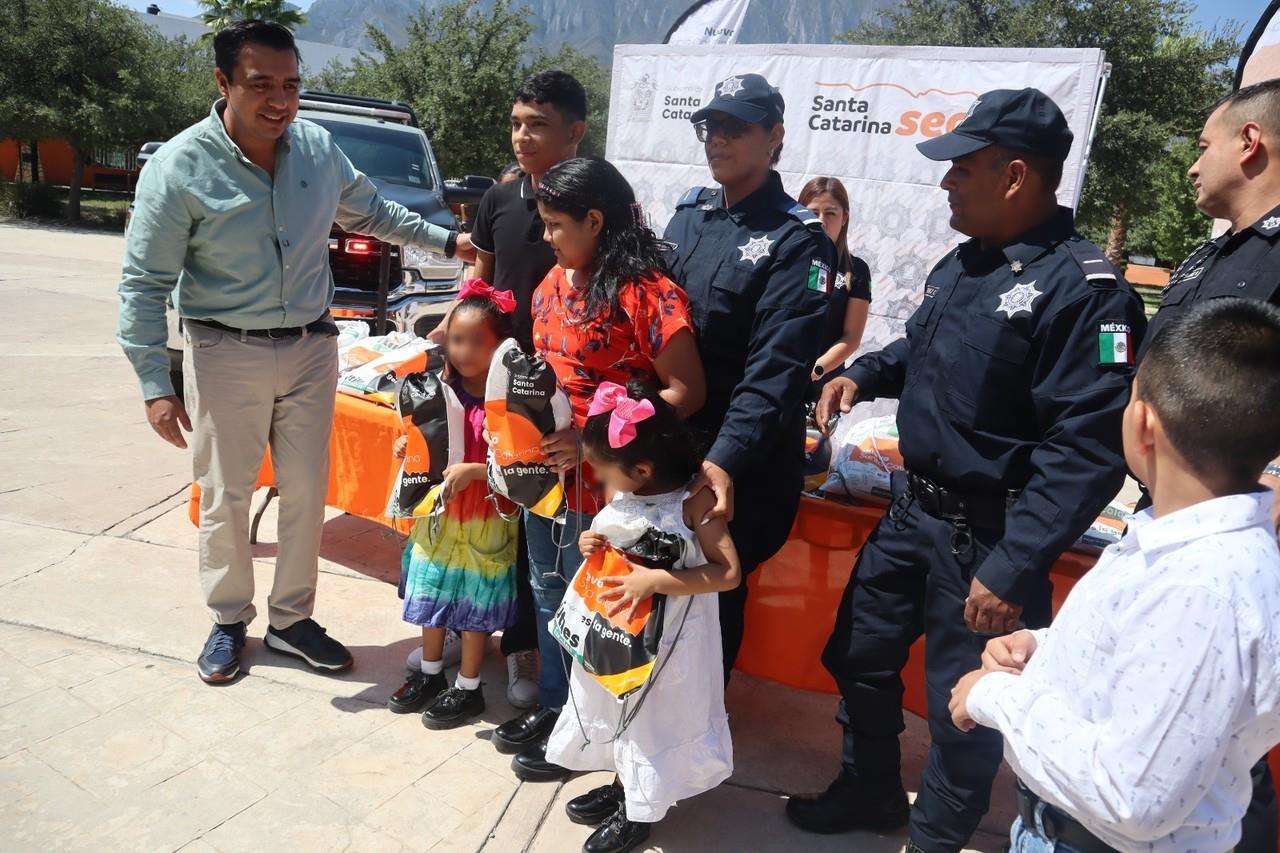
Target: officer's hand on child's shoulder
[838,397]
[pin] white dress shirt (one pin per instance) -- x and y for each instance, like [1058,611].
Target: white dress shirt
[1158,685]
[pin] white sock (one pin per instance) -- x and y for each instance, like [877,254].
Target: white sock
[432,667]
[464,683]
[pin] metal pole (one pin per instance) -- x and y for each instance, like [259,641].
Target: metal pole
[1093,128]
[384,287]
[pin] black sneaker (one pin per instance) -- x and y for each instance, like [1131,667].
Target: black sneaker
[593,807]
[453,707]
[417,691]
[220,660]
[307,640]
[524,731]
[847,805]
[617,834]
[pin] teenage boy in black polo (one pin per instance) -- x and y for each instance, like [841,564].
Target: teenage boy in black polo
[548,121]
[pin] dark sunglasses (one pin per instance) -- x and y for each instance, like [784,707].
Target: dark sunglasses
[728,127]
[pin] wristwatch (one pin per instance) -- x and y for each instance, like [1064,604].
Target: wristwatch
[1272,470]
[451,244]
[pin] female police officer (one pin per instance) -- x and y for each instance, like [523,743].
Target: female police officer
[757,267]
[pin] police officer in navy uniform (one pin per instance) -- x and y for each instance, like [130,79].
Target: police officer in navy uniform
[1012,379]
[757,267]
[1237,178]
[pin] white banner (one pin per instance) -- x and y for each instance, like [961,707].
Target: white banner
[710,22]
[855,113]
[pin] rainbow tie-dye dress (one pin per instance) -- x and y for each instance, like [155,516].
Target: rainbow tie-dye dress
[459,571]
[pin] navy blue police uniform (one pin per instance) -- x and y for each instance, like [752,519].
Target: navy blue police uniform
[1012,380]
[1244,264]
[757,275]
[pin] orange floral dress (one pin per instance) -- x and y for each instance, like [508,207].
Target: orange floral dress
[585,352]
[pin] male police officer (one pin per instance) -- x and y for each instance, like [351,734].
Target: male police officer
[1012,379]
[1237,178]
[757,267]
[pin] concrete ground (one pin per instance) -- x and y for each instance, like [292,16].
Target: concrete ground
[108,741]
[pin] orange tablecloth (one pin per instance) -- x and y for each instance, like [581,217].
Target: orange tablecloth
[361,467]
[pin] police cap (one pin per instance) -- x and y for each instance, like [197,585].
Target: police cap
[748,97]
[1024,119]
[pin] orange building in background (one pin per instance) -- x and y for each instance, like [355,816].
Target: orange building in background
[107,169]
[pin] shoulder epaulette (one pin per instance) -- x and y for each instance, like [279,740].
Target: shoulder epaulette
[695,196]
[805,216]
[1098,271]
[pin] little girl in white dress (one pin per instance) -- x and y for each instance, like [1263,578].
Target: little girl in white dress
[668,740]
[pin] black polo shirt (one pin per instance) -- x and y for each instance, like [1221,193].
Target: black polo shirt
[853,281]
[508,226]
[1242,263]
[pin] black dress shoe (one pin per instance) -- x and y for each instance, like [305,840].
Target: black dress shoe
[305,639]
[591,808]
[416,693]
[532,766]
[452,708]
[617,834]
[524,731]
[220,659]
[848,804]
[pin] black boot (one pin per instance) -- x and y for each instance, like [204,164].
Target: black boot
[593,807]
[848,804]
[453,707]
[617,834]
[532,765]
[524,731]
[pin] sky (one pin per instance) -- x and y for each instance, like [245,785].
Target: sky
[1207,14]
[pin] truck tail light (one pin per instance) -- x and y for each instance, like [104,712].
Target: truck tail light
[360,247]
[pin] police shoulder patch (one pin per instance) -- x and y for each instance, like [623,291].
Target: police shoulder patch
[693,196]
[1098,271]
[819,279]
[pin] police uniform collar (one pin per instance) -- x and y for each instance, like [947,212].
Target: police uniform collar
[1035,243]
[764,198]
[1269,225]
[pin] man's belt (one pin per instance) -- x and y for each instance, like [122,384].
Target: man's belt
[1057,825]
[323,326]
[973,510]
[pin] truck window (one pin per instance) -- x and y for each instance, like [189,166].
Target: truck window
[388,155]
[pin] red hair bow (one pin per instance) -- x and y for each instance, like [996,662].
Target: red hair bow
[612,397]
[504,299]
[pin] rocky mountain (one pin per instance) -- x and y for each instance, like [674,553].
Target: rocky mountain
[597,25]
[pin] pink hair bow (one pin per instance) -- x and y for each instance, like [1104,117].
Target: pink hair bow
[504,299]
[612,397]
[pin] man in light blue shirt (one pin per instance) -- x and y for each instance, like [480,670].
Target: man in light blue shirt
[231,222]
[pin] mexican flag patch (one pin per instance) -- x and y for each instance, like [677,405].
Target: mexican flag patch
[819,276]
[1114,344]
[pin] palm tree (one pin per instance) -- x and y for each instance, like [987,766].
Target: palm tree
[222,13]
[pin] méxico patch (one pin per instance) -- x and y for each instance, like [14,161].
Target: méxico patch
[1115,344]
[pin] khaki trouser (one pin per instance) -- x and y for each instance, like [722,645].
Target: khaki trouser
[241,395]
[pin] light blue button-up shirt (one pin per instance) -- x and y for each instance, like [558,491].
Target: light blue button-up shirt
[230,243]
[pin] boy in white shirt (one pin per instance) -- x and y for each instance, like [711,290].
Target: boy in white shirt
[1133,721]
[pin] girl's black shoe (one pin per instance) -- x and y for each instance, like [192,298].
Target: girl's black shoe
[416,692]
[617,834]
[453,707]
[593,807]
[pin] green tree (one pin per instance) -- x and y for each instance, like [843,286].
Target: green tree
[222,13]
[1165,77]
[1174,226]
[83,71]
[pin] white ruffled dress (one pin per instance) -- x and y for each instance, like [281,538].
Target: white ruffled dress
[677,745]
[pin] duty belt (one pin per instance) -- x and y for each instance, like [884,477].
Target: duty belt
[963,511]
[1056,825]
[323,326]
